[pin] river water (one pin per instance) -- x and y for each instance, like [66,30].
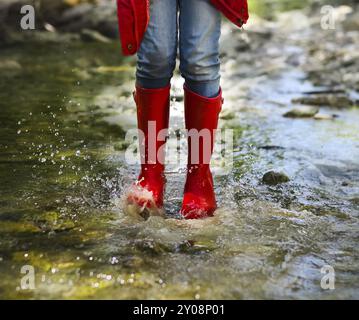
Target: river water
[65,109]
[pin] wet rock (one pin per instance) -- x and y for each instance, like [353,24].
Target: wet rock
[93,36]
[75,14]
[50,37]
[271,147]
[9,12]
[325,91]
[113,69]
[322,116]
[351,23]
[101,17]
[195,246]
[64,15]
[45,11]
[9,66]
[17,227]
[52,221]
[151,247]
[302,112]
[274,178]
[227,115]
[330,100]
[355,201]
[36,259]
[121,146]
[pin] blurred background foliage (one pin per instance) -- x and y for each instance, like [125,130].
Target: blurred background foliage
[289,204]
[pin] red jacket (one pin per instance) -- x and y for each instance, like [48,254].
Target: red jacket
[133,17]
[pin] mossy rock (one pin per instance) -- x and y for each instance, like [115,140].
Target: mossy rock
[302,112]
[274,178]
[52,221]
[194,246]
[355,201]
[18,227]
[330,100]
[35,259]
[93,235]
[122,145]
[227,115]
[151,247]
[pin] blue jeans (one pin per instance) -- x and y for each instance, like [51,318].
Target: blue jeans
[196,29]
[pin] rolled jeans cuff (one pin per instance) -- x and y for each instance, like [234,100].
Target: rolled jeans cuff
[207,89]
[152,83]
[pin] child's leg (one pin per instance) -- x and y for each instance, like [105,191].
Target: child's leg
[200,29]
[157,53]
[156,61]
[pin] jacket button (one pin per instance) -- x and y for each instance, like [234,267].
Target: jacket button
[130,46]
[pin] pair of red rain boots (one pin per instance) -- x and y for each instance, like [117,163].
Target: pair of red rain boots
[201,116]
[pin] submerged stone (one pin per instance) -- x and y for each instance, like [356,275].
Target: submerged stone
[329,100]
[36,259]
[322,116]
[355,201]
[113,69]
[151,247]
[10,68]
[194,246]
[9,65]
[227,115]
[52,221]
[121,146]
[17,227]
[274,178]
[302,112]
[351,23]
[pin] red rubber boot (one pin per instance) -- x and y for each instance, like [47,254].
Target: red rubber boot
[152,119]
[200,113]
